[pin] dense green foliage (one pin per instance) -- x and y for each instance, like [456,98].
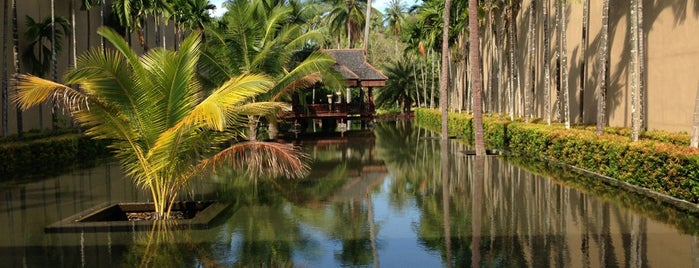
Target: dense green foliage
[49,154]
[651,163]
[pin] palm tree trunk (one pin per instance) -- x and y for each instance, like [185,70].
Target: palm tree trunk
[636,32]
[583,62]
[417,86]
[102,4]
[602,76]
[432,60]
[476,77]
[444,75]
[349,26]
[367,25]
[528,99]
[641,68]
[514,70]
[695,125]
[5,103]
[15,54]
[547,63]
[54,62]
[564,65]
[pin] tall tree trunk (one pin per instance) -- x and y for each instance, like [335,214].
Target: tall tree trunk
[564,65]
[15,54]
[636,32]
[444,75]
[641,69]
[5,103]
[530,84]
[349,27]
[602,76]
[547,63]
[583,62]
[514,69]
[367,26]
[54,63]
[74,47]
[432,61]
[695,125]
[477,78]
[102,4]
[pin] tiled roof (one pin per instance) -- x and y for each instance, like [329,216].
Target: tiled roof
[352,64]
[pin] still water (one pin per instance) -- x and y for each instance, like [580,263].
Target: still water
[393,196]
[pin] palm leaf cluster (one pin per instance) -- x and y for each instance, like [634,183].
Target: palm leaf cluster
[400,87]
[163,128]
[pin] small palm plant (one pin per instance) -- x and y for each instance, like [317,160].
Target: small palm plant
[164,130]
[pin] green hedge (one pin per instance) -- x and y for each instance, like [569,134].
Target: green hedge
[660,162]
[21,159]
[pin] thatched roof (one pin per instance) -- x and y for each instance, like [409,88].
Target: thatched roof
[352,64]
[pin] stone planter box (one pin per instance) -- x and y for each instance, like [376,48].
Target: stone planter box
[110,217]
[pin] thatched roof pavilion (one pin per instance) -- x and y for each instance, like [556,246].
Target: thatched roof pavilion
[352,64]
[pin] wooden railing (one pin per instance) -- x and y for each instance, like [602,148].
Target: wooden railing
[310,110]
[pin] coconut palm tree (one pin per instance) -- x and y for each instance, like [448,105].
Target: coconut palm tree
[194,14]
[348,16]
[131,14]
[38,53]
[400,87]
[263,41]
[45,41]
[163,129]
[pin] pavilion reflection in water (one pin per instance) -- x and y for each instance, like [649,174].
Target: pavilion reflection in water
[373,198]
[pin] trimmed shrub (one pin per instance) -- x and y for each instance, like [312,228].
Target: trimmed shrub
[19,159]
[659,162]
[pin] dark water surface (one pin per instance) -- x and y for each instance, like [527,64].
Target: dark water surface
[374,198]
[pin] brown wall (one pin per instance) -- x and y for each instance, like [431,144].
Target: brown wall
[86,37]
[671,60]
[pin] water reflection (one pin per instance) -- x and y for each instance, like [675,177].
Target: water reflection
[393,196]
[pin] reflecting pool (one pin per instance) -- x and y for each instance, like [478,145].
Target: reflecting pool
[393,196]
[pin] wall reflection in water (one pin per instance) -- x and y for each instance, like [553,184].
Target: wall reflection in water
[385,197]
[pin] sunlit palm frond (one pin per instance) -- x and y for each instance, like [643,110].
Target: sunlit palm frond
[275,20]
[314,63]
[121,45]
[33,90]
[259,159]
[213,111]
[297,84]
[172,76]
[262,108]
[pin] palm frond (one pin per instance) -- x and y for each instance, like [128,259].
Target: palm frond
[261,159]
[33,90]
[298,84]
[314,63]
[262,108]
[213,111]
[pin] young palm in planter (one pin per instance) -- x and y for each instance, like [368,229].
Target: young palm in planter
[164,128]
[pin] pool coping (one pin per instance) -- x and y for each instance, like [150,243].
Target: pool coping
[79,222]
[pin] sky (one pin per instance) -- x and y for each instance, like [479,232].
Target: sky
[378,4]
